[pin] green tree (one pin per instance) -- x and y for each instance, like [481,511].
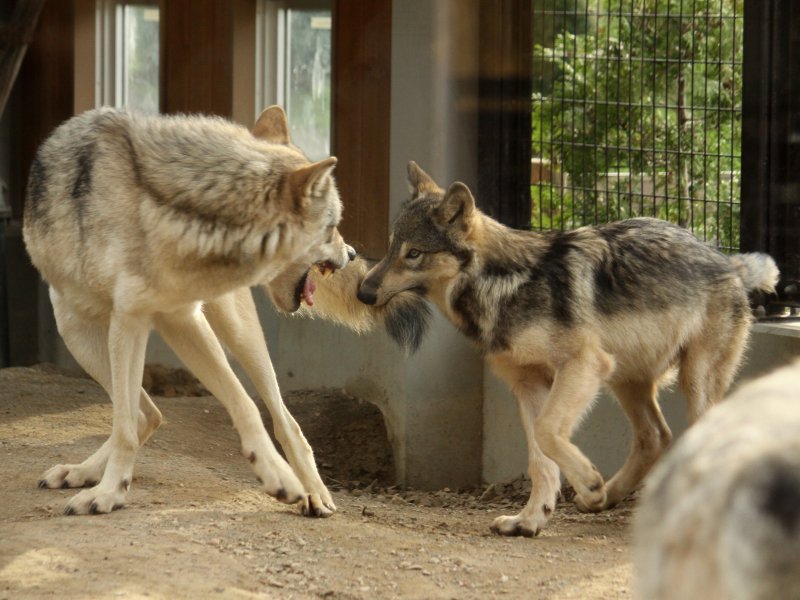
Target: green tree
[643,114]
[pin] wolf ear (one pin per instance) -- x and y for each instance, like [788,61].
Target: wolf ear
[304,181]
[272,126]
[419,181]
[457,207]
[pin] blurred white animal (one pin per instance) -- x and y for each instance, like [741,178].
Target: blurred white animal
[720,516]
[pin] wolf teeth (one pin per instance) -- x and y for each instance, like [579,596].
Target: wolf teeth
[324,270]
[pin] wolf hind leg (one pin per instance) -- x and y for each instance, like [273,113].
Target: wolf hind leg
[531,394]
[651,436]
[710,359]
[127,342]
[87,341]
[575,386]
[191,337]
[234,319]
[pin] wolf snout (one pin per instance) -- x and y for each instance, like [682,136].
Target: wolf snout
[367,294]
[351,252]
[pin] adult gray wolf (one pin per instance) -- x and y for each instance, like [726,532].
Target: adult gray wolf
[152,222]
[559,314]
[719,517]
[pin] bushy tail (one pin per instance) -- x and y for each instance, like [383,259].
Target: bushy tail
[757,271]
[405,317]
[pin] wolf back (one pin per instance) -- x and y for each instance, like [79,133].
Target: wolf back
[571,277]
[110,175]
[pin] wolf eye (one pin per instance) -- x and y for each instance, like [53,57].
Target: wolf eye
[413,253]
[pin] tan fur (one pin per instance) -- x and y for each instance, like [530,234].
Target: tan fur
[335,298]
[141,223]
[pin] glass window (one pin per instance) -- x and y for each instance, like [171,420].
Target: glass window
[294,58]
[128,55]
[138,64]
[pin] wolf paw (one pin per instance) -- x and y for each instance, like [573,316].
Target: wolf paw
[324,497]
[278,479]
[591,502]
[69,476]
[516,526]
[315,506]
[97,500]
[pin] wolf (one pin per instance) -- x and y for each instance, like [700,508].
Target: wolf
[560,314]
[719,516]
[141,223]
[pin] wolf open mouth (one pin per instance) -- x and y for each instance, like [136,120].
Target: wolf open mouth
[306,286]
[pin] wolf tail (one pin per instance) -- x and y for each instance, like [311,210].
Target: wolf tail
[405,317]
[757,271]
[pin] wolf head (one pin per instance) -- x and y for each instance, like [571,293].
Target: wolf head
[428,248]
[308,191]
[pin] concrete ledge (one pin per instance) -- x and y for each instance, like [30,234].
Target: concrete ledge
[791,329]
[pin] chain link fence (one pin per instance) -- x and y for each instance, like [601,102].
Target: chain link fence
[637,111]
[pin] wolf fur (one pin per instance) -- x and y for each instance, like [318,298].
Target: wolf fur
[719,517]
[140,223]
[405,318]
[560,314]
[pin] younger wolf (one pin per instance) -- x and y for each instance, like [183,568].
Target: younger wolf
[719,517]
[560,314]
[141,222]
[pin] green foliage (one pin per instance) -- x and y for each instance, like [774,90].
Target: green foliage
[639,102]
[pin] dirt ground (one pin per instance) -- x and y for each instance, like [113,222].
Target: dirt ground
[196,524]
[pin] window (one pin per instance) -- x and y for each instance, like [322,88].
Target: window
[128,55]
[293,68]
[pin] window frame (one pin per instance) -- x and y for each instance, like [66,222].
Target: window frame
[110,51]
[271,48]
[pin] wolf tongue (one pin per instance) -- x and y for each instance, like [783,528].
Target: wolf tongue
[308,291]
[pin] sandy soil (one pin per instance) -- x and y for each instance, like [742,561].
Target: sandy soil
[197,526]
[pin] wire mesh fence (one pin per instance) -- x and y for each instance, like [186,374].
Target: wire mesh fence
[637,111]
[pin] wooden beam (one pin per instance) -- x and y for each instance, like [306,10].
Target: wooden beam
[362,55]
[504,121]
[197,56]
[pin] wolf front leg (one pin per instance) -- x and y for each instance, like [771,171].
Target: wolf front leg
[575,386]
[234,319]
[127,341]
[188,333]
[531,387]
